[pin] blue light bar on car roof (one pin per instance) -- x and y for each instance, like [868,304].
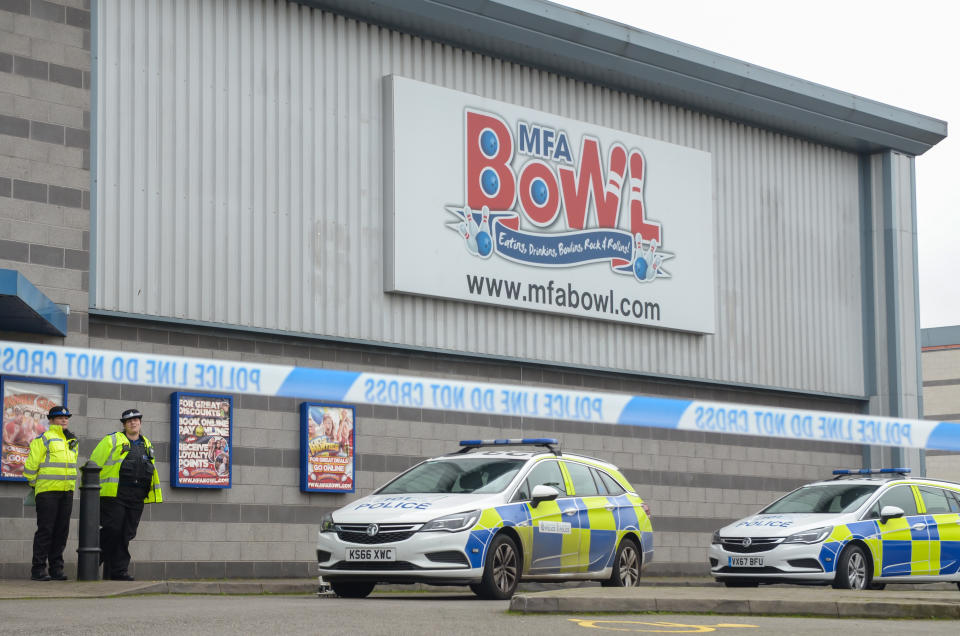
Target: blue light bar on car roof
[509,442]
[871,471]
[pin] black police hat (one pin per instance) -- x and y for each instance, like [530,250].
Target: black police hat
[129,414]
[59,411]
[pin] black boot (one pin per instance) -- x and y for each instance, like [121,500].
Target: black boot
[39,575]
[57,575]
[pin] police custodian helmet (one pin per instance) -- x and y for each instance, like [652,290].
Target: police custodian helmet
[129,414]
[59,411]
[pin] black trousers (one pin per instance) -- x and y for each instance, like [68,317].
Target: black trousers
[53,526]
[118,526]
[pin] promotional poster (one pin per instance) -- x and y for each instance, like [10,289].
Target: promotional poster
[327,447]
[520,208]
[201,440]
[26,403]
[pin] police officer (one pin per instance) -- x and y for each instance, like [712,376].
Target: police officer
[51,470]
[128,480]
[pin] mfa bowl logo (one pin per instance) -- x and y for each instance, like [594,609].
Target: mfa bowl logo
[529,196]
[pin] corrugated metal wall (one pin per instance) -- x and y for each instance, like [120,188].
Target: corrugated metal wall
[239,181]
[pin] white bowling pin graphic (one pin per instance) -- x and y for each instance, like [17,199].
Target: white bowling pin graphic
[472,230]
[655,268]
[618,169]
[485,220]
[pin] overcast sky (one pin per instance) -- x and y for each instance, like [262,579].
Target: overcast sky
[900,53]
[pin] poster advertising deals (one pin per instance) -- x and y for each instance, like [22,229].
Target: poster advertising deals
[202,440]
[327,451]
[511,206]
[26,402]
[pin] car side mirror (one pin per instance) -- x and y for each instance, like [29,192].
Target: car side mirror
[542,492]
[890,512]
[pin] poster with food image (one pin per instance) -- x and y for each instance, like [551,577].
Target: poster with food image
[26,402]
[201,440]
[327,434]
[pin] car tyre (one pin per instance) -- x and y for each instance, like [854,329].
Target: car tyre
[501,571]
[853,571]
[741,583]
[626,565]
[352,589]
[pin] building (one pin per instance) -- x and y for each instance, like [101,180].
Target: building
[941,392]
[286,182]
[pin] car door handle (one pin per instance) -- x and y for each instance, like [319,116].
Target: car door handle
[611,508]
[570,513]
[918,526]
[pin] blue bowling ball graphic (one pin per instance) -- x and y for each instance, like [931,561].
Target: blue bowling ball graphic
[538,191]
[489,143]
[489,182]
[484,243]
[640,269]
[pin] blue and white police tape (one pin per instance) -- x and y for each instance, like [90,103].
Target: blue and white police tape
[353,387]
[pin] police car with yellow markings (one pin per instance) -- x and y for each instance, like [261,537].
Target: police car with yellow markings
[862,529]
[488,516]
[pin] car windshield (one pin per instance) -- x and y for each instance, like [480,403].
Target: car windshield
[477,475]
[822,498]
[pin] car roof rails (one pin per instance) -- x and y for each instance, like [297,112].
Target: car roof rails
[859,472]
[553,445]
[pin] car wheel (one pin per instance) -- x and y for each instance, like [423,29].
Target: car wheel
[352,589]
[501,572]
[742,583]
[626,565]
[853,572]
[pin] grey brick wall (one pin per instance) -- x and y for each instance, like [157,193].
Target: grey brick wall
[44,150]
[264,525]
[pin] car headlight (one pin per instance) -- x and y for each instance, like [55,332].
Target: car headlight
[452,523]
[810,536]
[327,524]
[715,539]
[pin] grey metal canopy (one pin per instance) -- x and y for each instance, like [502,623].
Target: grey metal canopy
[599,51]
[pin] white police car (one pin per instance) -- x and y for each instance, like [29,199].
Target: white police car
[864,528]
[489,516]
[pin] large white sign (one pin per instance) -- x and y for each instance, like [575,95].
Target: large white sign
[488,202]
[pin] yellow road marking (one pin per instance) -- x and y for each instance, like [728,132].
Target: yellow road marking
[658,627]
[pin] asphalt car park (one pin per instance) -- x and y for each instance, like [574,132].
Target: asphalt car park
[490,515]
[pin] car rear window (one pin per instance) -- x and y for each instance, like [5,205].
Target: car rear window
[935,500]
[583,484]
[612,485]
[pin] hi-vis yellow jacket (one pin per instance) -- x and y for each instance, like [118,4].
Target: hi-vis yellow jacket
[52,462]
[109,454]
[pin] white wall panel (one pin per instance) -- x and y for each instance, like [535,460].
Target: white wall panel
[238,163]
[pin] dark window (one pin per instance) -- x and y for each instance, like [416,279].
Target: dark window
[456,475]
[546,472]
[822,498]
[583,484]
[899,496]
[953,500]
[613,486]
[934,500]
